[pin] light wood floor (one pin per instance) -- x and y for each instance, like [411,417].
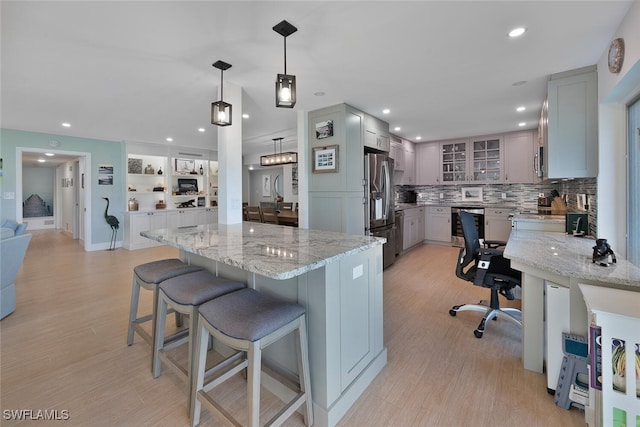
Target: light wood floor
[65,349]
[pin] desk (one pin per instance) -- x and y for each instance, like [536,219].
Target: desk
[566,261]
[336,277]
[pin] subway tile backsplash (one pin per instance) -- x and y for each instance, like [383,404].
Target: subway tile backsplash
[523,197]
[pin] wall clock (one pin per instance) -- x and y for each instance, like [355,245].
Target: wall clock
[616,55]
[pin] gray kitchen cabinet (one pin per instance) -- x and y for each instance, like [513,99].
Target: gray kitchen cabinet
[409,177]
[413,231]
[486,159]
[376,133]
[397,154]
[519,158]
[497,224]
[427,163]
[336,199]
[438,224]
[454,161]
[571,139]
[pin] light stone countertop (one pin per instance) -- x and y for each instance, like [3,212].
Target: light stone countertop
[567,256]
[530,217]
[274,251]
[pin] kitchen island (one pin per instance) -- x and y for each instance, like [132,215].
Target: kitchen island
[336,277]
[565,261]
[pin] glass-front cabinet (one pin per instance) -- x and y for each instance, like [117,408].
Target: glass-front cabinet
[471,161]
[454,162]
[486,160]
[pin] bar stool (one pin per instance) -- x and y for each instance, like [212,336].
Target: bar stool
[185,293]
[248,321]
[148,276]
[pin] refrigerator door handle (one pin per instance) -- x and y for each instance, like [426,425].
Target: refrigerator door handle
[387,190]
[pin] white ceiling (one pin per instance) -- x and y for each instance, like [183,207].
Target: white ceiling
[141,71]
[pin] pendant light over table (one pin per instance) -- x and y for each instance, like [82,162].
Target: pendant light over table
[279,158]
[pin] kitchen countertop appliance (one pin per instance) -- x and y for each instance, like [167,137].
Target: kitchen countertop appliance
[379,203]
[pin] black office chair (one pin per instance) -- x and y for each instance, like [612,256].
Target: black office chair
[488,268]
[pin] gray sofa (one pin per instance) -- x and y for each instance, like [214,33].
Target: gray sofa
[12,251]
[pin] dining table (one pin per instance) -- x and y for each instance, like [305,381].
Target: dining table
[288,217]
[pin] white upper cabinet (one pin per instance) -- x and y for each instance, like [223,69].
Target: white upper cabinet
[571,140]
[427,163]
[519,158]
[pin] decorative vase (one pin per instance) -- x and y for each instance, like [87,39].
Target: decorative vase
[149,170]
[160,171]
[201,170]
[133,204]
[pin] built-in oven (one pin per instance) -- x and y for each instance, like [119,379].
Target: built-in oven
[457,236]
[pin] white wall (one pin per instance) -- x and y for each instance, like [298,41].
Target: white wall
[615,91]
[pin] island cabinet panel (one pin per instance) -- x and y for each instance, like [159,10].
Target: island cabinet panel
[356,315]
[337,211]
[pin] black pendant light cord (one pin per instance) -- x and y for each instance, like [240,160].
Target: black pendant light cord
[285,55]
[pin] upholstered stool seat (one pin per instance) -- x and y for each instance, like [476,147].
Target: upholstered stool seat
[185,293]
[148,276]
[248,321]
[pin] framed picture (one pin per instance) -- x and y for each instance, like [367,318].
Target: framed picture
[105,179]
[185,166]
[325,159]
[324,129]
[471,194]
[108,169]
[134,165]
[266,185]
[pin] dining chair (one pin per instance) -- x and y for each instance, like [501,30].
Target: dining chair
[269,215]
[286,206]
[254,214]
[267,205]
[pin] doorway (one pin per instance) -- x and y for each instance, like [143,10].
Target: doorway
[68,206]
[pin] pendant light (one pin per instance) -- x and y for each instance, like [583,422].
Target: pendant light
[220,110]
[279,158]
[285,83]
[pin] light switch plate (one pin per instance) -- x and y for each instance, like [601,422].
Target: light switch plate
[9,196]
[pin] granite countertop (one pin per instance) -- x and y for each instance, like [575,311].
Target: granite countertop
[274,251]
[531,217]
[567,256]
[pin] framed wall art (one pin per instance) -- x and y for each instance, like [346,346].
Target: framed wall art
[324,129]
[325,159]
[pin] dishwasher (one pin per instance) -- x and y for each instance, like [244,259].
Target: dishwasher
[399,220]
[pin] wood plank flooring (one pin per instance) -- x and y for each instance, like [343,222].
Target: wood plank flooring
[65,349]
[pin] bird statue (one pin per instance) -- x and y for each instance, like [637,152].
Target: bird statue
[114,223]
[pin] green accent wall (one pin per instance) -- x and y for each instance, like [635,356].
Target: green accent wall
[102,153]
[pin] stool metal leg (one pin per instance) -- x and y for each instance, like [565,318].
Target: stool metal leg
[254,355]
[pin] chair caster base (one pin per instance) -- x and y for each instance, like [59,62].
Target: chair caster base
[478,333]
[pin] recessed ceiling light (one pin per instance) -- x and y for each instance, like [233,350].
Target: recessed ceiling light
[200,129]
[251,167]
[521,124]
[66,125]
[169,139]
[418,138]
[49,154]
[245,116]
[397,128]
[519,109]
[41,160]
[517,32]
[386,111]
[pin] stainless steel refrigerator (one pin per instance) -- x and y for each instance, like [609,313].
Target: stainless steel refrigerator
[380,202]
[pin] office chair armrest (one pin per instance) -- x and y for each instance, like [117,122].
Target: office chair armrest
[493,244]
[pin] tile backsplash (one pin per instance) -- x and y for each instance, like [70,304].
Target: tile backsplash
[523,197]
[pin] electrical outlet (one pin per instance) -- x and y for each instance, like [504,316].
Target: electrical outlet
[442,195]
[504,195]
[540,194]
[9,196]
